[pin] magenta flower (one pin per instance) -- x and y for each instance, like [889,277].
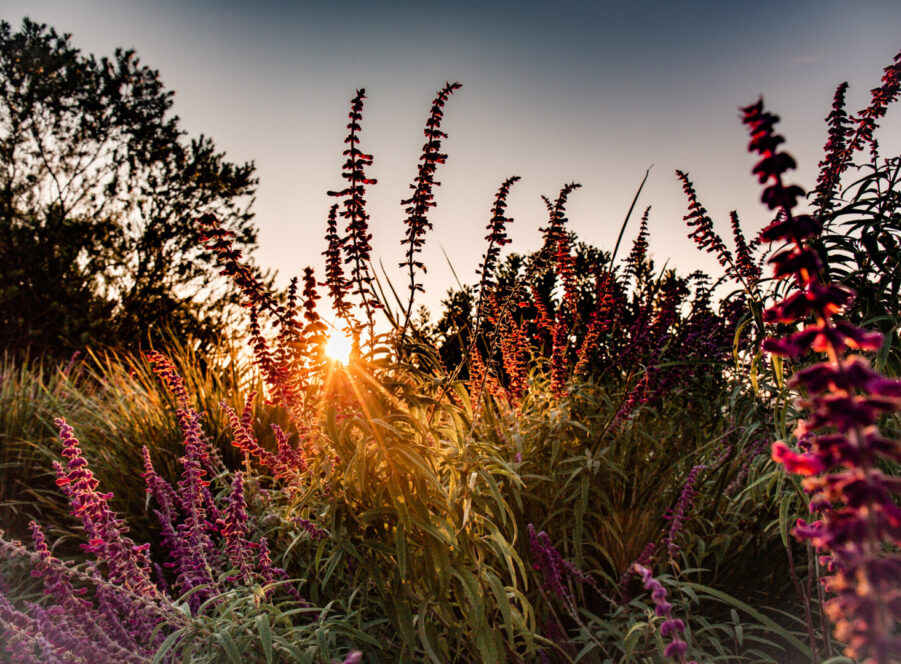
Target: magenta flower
[671,628]
[842,444]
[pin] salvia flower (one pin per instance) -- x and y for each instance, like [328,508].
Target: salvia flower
[234,530]
[128,564]
[643,560]
[335,281]
[671,628]
[842,443]
[833,164]
[703,234]
[423,199]
[556,571]
[357,247]
[681,512]
[557,245]
[636,261]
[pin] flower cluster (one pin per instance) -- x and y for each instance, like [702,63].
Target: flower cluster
[845,398]
[746,266]
[636,261]
[116,626]
[128,564]
[742,267]
[643,560]
[557,245]
[233,526]
[497,238]
[280,363]
[357,247]
[423,199]
[703,233]
[833,164]
[671,628]
[678,515]
[555,570]
[867,119]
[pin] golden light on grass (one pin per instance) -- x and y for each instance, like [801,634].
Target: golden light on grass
[338,346]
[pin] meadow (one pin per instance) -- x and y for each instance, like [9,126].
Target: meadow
[587,458]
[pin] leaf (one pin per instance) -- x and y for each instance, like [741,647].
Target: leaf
[263,628]
[500,597]
[225,640]
[754,613]
[160,655]
[739,631]
[421,623]
[783,521]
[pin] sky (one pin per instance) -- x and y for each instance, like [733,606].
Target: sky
[555,92]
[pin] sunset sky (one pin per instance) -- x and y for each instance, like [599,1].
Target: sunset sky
[591,92]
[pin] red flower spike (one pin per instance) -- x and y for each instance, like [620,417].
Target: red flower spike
[845,399]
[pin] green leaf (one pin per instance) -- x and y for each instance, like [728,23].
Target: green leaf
[160,655]
[263,628]
[783,521]
[225,640]
[754,613]
[739,632]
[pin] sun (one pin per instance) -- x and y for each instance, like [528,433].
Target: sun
[338,346]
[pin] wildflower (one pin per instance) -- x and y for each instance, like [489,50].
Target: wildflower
[334,270]
[643,560]
[128,563]
[555,570]
[357,249]
[422,199]
[842,442]
[671,628]
[234,530]
[678,516]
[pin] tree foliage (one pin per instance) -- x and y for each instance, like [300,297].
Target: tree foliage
[99,187]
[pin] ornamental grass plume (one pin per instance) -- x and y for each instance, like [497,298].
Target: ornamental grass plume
[844,399]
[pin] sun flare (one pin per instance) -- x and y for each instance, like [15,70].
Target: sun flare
[338,346]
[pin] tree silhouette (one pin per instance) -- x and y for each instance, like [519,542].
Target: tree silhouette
[99,187]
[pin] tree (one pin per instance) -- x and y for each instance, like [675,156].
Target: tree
[99,188]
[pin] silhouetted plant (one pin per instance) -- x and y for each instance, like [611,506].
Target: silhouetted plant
[423,199]
[357,250]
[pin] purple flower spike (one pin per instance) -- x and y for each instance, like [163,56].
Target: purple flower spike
[129,564]
[556,571]
[683,507]
[840,443]
[671,628]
